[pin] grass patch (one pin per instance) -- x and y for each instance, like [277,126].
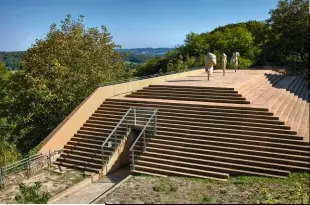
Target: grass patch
[237,190]
[165,187]
[207,200]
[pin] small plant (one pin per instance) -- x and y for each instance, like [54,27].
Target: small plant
[207,200]
[267,197]
[31,194]
[303,197]
[165,187]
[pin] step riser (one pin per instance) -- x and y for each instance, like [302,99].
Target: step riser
[85,154]
[188,99]
[224,153]
[171,119]
[197,172]
[193,93]
[210,123]
[241,145]
[219,167]
[127,102]
[189,87]
[193,96]
[180,108]
[243,151]
[239,129]
[223,133]
[100,138]
[80,158]
[86,140]
[80,163]
[84,149]
[193,117]
[196,114]
[75,167]
[237,161]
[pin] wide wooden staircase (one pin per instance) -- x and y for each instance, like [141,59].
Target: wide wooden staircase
[206,140]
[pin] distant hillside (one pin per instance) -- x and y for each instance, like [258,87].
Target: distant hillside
[135,55]
[147,51]
[12,59]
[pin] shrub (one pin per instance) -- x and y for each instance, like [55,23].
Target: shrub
[31,194]
[165,187]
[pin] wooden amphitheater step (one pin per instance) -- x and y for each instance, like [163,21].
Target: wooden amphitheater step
[216,165]
[233,153]
[231,161]
[159,168]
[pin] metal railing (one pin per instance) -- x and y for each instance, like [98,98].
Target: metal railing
[148,131]
[146,77]
[134,117]
[27,164]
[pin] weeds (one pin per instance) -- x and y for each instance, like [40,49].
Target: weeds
[165,187]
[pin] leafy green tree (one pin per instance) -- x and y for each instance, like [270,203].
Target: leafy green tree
[59,72]
[32,194]
[288,38]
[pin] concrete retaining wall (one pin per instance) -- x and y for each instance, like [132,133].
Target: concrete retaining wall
[65,130]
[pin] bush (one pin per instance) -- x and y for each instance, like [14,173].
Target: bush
[297,68]
[165,187]
[32,194]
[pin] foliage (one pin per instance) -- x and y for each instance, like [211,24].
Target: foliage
[8,151]
[267,197]
[288,38]
[32,194]
[57,74]
[165,187]
[246,38]
[12,59]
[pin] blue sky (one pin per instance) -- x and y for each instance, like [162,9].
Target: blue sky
[132,23]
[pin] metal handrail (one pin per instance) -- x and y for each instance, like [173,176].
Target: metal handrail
[144,140]
[128,111]
[143,130]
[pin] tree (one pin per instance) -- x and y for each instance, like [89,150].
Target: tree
[59,72]
[289,31]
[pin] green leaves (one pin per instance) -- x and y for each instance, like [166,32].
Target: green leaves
[58,73]
[32,194]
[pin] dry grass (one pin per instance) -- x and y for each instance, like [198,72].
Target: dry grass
[177,190]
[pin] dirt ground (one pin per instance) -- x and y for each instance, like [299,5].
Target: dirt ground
[142,189]
[52,181]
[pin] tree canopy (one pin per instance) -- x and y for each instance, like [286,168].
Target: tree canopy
[57,73]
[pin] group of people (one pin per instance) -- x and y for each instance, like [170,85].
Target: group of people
[210,61]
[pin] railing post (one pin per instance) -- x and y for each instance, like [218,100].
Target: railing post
[102,150]
[134,111]
[28,165]
[144,143]
[115,139]
[155,122]
[49,159]
[132,160]
[1,177]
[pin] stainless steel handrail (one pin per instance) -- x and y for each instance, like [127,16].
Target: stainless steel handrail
[125,117]
[153,117]
[116,127]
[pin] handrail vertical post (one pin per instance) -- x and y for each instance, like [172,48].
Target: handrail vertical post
[1,177]
[132,160]
[115,139]
[144,143]
[135,116]
[28,165]
[102,156]
[49,159]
